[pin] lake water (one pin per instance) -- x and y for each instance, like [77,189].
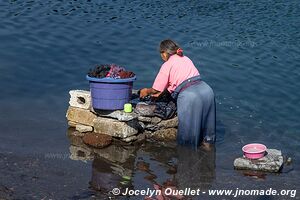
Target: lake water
[248,51]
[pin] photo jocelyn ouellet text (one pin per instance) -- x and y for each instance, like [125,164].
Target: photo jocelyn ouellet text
[213,192]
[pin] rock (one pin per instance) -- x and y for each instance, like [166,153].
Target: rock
[81,116]
[152,120]
[155,120]
[118,114]
[116,128]
[162,124]
[83,128]
[97,140]
[137,138]
[169,123]
[272,162]
[130,138]
[147,134]
[141,137]
[151,127]
[142,124]
[168,134]
[144,109]
[80,99]
[72,124]
[144,119]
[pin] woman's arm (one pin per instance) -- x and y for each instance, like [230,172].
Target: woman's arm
[149,91]
[160,82]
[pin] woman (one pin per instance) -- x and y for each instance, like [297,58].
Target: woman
[195,99]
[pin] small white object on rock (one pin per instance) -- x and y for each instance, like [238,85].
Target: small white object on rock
[272,162]
[80,99]
[83,128]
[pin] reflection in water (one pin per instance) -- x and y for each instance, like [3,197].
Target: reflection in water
[162,167]
[107,175]
[103,176]
[182,167]
[195,170]
[111,166]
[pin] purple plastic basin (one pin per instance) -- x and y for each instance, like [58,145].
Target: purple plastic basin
[110,93]
[254,151]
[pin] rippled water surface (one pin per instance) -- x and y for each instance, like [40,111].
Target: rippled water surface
[248,51]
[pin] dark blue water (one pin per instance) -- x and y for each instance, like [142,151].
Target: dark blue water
[247,51]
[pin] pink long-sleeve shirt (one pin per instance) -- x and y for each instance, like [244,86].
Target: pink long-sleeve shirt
[173,72]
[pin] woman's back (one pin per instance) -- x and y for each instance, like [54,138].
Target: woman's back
[177,69]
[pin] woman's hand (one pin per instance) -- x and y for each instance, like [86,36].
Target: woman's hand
[156,94]
[149,91]
[144,92]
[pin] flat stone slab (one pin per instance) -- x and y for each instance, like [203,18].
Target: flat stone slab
[272,162]
[81,116]
[116,128]
[120,115]
[152,120]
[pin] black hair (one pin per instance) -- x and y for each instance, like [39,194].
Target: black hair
[170,47]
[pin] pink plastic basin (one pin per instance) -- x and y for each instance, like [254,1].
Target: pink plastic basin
[254,151]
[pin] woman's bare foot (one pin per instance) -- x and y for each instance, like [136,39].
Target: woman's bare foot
[207,146]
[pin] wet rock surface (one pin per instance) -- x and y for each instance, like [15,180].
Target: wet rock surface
[272,162]
[97,140]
